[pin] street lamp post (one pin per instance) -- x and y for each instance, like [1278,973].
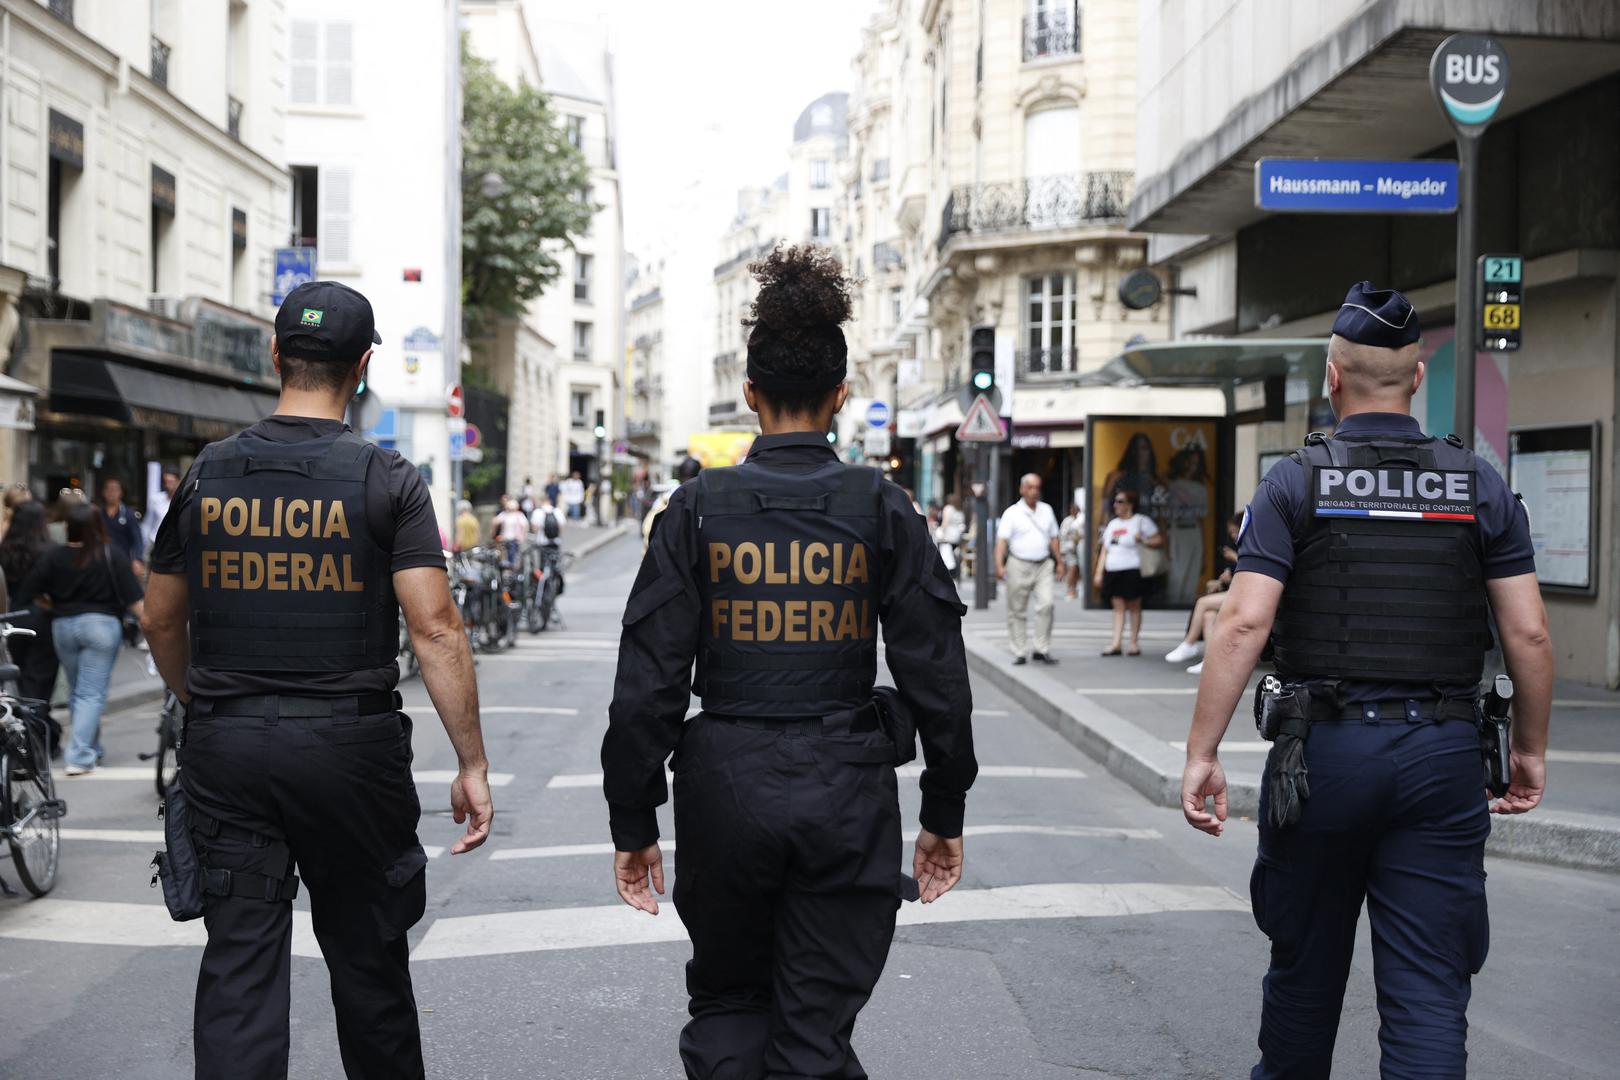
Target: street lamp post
[601,462]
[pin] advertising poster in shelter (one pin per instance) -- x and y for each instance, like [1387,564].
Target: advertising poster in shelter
[1170,464]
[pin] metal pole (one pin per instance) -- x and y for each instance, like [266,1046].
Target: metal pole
[601,479]
[452,220]
[1467,300]
[985,552]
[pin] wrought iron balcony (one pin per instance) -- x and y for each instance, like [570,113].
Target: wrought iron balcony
[1037,363]
[886,257]
[233,118]
[637,429]
[62,9]
[1044,202]
[160,62]
[1052,32]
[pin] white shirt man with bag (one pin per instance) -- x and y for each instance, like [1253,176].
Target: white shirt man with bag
[1029,561]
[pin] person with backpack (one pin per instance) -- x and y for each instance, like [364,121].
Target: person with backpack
[545,525]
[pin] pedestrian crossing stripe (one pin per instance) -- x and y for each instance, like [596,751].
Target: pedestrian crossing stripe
[144,773]
[904,772]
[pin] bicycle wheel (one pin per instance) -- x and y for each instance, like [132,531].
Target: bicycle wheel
[28,816]
[168,757]
[548,600]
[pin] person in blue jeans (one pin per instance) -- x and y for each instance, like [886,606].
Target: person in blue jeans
[90,584]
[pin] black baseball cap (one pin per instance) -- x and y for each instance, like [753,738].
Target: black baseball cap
[326,320]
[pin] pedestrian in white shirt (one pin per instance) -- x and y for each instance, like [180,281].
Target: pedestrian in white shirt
[511,528]
[1119,567]
[1028,560]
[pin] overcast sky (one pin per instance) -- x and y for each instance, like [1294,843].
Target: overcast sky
[709,89]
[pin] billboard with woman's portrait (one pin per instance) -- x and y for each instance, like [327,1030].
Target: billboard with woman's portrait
[1170,464]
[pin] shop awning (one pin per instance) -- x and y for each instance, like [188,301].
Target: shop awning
[83,382]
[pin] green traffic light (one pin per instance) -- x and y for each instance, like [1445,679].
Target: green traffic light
[982,380]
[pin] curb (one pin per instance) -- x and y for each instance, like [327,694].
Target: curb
[1153,768]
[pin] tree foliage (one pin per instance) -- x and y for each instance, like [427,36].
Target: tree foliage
[523,189]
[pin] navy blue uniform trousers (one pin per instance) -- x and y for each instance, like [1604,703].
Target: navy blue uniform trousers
[788,881]
[335,795]
[1396,817]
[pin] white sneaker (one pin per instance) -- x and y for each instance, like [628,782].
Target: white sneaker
[79,770]
[1196,669]
[1184,652]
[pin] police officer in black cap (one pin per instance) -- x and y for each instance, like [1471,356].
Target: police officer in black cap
[1375,558]
[273,610]
[774,577]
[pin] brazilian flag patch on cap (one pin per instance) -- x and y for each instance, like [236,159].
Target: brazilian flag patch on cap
[311,317]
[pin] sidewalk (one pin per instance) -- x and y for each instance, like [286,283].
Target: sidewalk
[1132,714]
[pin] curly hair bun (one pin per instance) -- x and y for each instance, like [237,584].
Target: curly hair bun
[800,287]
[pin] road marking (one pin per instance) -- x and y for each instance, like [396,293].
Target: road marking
[1135,691]
[433,851]
[995,772]
[542,710]
[1234,747]
[551,929]
[132,772]
[1577,703]
[116,836]
[1567,757]
[991,712]
[577,658]
[562,851]
[102,922]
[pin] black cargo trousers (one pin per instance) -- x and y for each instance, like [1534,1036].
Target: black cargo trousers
[788,880]
[324,784]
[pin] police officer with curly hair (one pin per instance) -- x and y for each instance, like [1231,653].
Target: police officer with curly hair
[1374,559]
[273,610]
[774,578]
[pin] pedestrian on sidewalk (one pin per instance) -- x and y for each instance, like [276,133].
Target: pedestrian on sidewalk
[573,496]
[26,542]
[1028,560]
[123,524]
[90,585]
[296,751]
[790,902]
[1119,568]
[1373,786]
[952,529]
[468,531]
[510,529]
[1071,534]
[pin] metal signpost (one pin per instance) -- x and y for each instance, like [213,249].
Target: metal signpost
[1469,75]
[981,425]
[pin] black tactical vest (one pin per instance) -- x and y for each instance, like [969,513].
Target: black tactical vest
[789,576]
[284,572]
[1388,582]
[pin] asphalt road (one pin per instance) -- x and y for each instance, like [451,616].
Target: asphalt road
[1093,935]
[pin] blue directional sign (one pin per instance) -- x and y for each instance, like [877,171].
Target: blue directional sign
[877,414]
[294,266]
[1317,185]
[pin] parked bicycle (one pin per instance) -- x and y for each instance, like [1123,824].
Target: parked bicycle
[170,728]
[554,561]
[483,592]
[29,808]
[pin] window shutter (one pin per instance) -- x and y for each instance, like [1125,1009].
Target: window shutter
[336,198]
[339,63]
[304,83]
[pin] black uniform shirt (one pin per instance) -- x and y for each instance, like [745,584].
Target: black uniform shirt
[1280,510]
[922,632]
[401,509]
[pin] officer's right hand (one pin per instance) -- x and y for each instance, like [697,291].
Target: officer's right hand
[632,872]
[1529,781]
[469,798]
[937,865]
[1199,779]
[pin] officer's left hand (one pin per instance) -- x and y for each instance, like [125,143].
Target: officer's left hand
[632,870]
[937,865]
[469,798]
[1529,781]
[1204,778]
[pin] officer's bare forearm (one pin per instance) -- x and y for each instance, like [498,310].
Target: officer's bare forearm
[1521,620]
[1234,648]
[164,621]
[441,646]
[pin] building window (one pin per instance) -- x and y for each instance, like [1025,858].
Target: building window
[821,116]
[65,161]
[582,277]
[896,305]
[1051,28]
[241,291]
[323,212]
[62,9]
[160,62]
[579,407]
[236,70]
[164,258]
[576,132]
[820,223]
[820,174]
[1049,317]
[322,56]
[583,334]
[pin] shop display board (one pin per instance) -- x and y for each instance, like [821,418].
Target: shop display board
[1555,471]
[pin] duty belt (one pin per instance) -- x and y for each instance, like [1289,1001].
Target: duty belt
[292,705]
[1412,710]
[843,722]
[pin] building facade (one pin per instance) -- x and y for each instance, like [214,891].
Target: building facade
[991,157]
[142,195]
[361,76]
[1349,79]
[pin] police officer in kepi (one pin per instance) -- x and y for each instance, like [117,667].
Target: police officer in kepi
[273,611]
[773,577]
[1375,558]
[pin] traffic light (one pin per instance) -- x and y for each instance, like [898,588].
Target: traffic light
[982,358]
[601,424]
